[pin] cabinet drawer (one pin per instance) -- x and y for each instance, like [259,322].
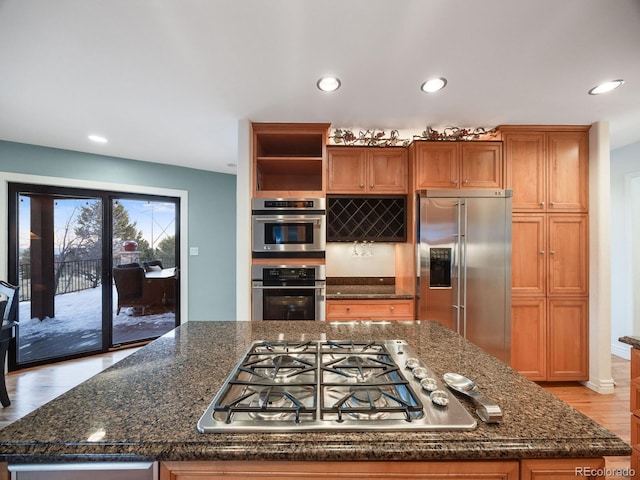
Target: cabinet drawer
[634,395]
[635,430]
[635,363]
[370,309]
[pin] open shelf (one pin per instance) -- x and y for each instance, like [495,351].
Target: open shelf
[289,158]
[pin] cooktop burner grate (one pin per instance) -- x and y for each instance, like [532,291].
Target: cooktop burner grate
[326,385]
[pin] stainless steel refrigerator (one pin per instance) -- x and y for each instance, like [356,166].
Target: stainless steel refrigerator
[464,279]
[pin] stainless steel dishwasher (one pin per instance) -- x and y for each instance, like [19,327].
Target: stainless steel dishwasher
[82,471]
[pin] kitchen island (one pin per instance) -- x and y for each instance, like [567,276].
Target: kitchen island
[145,408]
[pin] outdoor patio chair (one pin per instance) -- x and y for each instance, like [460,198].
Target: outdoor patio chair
[8,309]
[152,265]
[133,289]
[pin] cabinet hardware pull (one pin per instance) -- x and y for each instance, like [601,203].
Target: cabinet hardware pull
[541,252]
[348,308]
[553,252]
[542,204]
[552,203]
[454,182]
[362,185]
[466,180]
[371,186]
[392,308]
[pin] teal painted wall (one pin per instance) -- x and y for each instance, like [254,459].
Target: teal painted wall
[212,213]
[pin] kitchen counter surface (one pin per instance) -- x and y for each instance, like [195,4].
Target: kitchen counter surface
[364,292]
[364,288]
[146,406]
[633,341]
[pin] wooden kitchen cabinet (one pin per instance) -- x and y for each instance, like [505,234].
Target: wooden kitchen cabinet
[634,407]
[445,165]
[568,255]
[387,309]
[289,159]
[529,337]
[488,470]
[550,286]
[561,469]
[525,469]
[568,339]
[528,254]
[372,170]
[550,338]
[549,254]
[547,167]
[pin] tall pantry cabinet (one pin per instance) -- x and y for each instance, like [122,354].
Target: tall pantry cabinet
[547,169]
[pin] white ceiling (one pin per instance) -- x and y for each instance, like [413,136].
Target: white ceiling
[168,80]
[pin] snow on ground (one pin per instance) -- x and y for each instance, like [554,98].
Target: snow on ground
[77,326]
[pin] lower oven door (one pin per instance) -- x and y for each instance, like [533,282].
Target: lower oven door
[289,303]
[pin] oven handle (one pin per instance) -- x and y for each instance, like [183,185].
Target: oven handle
[302,287]
[283,218]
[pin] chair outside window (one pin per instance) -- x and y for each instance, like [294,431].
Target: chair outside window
[8,309]
[134,290]
[152,265]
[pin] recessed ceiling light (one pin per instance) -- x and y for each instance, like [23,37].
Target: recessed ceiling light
[606,87]
[433,85]
[328,84]
[97,139]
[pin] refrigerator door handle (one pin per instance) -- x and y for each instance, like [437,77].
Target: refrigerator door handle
[463,259]
[456,266]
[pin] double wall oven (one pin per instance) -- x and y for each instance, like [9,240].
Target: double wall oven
[288,292]
[289,227]
[287,233]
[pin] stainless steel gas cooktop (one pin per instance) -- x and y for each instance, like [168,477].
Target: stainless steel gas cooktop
[333,385]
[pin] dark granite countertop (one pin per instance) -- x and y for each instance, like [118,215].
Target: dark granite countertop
[364,288]
[146,406]
[633,341]
[364,292]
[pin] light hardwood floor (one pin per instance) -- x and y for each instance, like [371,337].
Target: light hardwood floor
[28,389]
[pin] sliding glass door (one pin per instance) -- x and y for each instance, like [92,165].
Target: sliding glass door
[60,308]
[144,247]
[67,247]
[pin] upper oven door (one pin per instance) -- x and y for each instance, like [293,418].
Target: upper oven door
[281,234]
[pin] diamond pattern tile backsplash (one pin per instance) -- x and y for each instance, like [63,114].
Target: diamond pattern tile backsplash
[379,218]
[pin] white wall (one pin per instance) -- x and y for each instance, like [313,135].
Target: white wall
[379,260]
[625,246]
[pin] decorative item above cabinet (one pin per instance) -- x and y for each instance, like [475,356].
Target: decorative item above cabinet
[380,218]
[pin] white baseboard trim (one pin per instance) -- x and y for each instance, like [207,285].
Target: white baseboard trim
[622,351]
[605,387]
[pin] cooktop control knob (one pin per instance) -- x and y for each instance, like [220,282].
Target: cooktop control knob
[420,373]
[412,363]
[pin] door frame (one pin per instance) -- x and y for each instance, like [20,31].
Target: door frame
[8,177]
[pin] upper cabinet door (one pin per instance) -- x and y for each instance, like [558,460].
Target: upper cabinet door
[481,165]
[436,165]
[568,171]
[525,170]
[387,170]
[346,170]
[372,170]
